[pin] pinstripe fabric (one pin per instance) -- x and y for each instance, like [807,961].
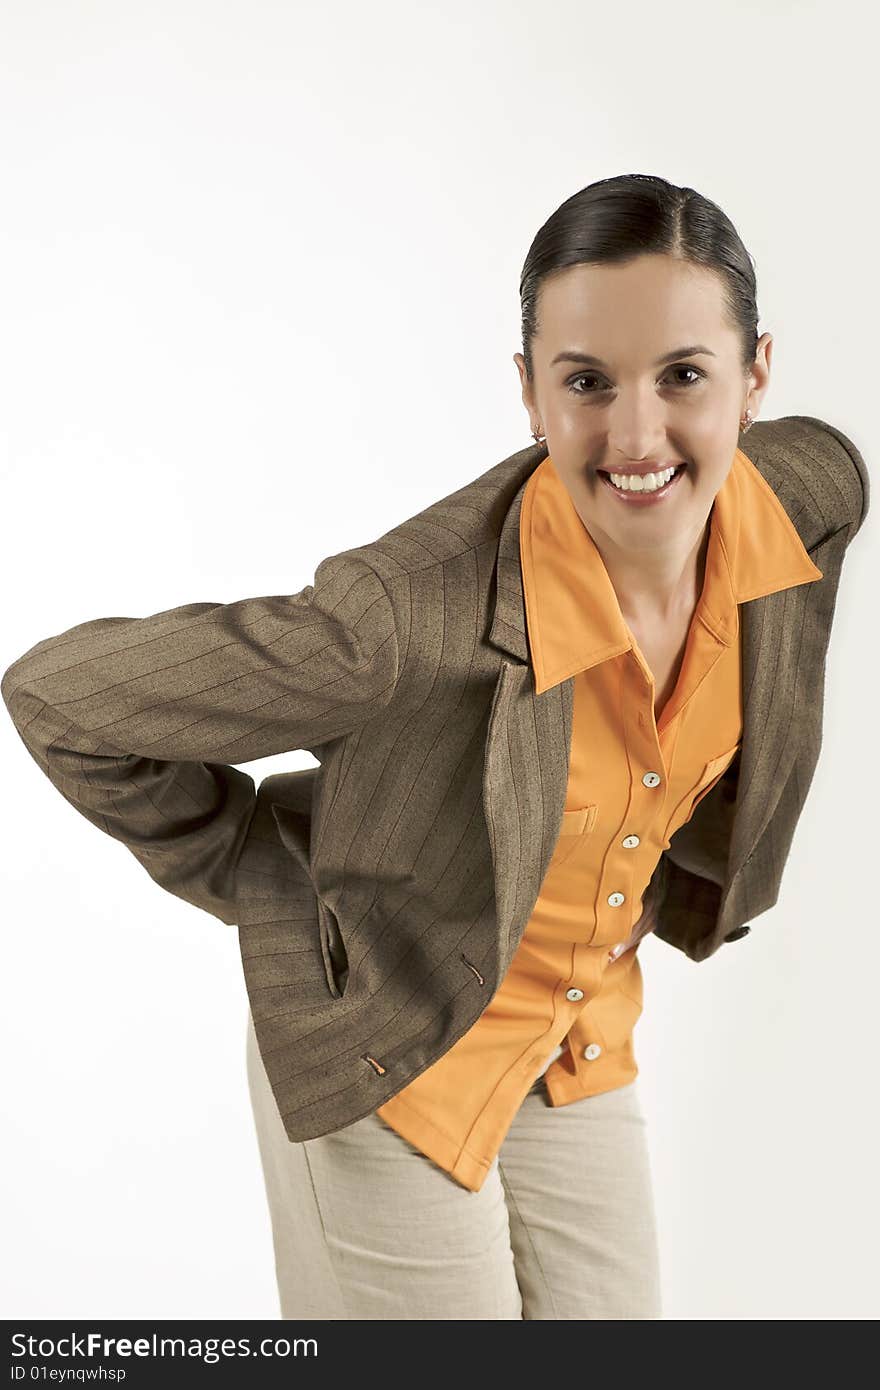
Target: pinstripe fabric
[379,898]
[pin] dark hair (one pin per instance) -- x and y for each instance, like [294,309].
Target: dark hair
[615,220]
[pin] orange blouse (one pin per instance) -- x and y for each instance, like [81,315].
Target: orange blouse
[563,1009]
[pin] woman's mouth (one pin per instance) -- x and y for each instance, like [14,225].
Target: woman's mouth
[639,491]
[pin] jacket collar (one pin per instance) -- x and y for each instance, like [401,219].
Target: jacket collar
[508,628]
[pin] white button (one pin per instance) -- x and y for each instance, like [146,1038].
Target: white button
[651,779]
[615,899]
[630,841]
[574,994]
[591,1052]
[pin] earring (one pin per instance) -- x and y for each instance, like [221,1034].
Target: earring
[539,439]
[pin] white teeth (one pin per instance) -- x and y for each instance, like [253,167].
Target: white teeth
[631,482]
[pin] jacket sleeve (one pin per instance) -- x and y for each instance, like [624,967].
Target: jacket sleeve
[136,720]
[844,469]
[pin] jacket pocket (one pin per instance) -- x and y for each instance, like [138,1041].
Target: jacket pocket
[332,950]
[576,826]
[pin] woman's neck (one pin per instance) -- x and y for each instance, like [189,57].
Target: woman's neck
[656,586]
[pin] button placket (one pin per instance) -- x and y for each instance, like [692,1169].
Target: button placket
[651,779]
[632,841]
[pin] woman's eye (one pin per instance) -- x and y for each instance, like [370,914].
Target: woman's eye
[588,376]
[696,371]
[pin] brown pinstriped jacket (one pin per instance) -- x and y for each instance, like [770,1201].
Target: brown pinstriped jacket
[380,897]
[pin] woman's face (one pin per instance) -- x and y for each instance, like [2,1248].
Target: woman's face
[627,409]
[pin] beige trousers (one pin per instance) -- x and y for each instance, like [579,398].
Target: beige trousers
[364,1226]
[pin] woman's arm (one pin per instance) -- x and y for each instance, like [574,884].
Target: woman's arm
[135,720]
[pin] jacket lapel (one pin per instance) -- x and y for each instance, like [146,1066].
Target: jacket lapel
[770,726]
[528,744]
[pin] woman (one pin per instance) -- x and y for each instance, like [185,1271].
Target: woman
[574,702]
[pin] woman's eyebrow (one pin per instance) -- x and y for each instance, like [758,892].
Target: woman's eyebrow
[585,359]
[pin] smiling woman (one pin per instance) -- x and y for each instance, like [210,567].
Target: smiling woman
[572,704]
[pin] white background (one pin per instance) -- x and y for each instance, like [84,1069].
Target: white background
[260,269]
